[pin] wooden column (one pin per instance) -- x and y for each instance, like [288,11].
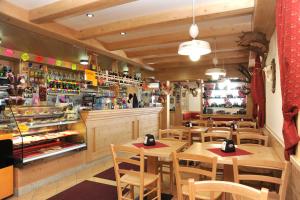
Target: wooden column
[168,107]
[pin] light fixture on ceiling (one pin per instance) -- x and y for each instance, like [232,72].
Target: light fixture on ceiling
[194,48]
[84,61]
[90,15]
[215,72]
[123,33]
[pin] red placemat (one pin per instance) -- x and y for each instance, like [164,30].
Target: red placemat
[157,145]
[238,152]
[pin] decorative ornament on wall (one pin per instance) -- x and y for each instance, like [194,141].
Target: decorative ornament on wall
[167,90]
[270,74]
[245,90]
[254,41]
[51,61]
[25,57]
[9,52]
[194,92]
[58,63]
[39,59]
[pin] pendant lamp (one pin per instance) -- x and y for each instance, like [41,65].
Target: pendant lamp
[215,72]
[194,48]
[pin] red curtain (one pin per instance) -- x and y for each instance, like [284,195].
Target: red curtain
[288,39]
[258,93]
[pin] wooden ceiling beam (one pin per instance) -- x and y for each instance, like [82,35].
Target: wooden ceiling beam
[264,17]
[19,17]
[227,61]
[219,9]
[162,51]
[179,36]
[209,57]
[66,8]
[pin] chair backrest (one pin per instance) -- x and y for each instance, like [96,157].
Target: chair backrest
[246,124]
[216,137]
[249,130]
[200,122]
[283,167]
[252,138]
[228,187]
[196,170]
[220,129]
[170,134]
[220,123]
[120,155]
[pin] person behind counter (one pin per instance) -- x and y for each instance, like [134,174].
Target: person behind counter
[130,101]
[135,101]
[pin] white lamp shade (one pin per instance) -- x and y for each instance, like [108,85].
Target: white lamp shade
[215,73]
[189,47]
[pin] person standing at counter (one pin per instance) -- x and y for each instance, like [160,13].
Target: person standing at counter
[130,101]
[135,101]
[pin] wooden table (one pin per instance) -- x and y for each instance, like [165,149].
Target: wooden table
[258,153]
[155,153]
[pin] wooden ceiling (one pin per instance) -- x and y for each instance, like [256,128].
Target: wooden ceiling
[153,28]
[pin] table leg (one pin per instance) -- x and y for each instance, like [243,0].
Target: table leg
[228,176]
[152,167]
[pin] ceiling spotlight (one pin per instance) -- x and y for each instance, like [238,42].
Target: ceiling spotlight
[90,15]
[84,61]
[123,33]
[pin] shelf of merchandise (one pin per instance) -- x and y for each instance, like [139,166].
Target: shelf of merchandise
[52,124]
[54,153]
[223,95]
[118,79]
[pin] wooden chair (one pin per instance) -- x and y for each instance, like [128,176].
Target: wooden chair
[246,124]
[252,139]
[249,130]
[220,129]
[169,134]
[215,137]
[283,167]
[131,178]
[195,171]
[237,190]
[200,122]
[221,123]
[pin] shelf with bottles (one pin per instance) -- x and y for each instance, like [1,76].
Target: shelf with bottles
[46,131]
[122,79]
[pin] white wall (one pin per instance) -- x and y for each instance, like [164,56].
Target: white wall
[194,103]
[274,117]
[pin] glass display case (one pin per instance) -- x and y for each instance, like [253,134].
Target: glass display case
[45,131]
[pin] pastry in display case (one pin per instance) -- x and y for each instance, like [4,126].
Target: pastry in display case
[45,131]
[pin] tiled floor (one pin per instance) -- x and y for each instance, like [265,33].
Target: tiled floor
[69,181]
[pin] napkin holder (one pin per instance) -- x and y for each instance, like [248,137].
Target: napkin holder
[228,146]
[149,140]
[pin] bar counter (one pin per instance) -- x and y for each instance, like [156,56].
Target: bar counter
[105,127]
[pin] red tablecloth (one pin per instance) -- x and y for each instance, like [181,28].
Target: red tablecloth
[157,145]
[238,152]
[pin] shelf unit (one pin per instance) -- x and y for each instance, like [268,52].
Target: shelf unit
[221,97]
[118,79]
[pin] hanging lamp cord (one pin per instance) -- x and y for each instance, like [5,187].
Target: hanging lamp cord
[193,11]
